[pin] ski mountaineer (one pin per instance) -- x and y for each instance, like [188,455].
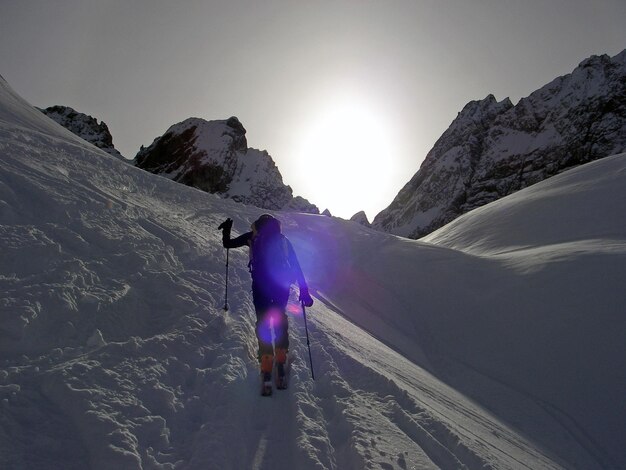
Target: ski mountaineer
[274,267]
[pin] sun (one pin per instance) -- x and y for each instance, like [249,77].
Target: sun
[347,152]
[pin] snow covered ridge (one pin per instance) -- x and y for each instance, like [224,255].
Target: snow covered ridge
[214,156]
[493,148]
[85,127]
[497,346]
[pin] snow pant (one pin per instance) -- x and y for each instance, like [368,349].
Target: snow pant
[270,306]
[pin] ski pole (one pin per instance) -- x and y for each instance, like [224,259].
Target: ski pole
[226,293]
[308,343]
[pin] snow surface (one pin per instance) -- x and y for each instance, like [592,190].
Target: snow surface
[499,345]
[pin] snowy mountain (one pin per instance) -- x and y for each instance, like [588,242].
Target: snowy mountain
[214,156]
[497,342]
[493,148]
[85,127]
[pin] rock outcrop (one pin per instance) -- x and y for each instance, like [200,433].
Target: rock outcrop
[85,127]
[214,156]
[299,204]
[361,218]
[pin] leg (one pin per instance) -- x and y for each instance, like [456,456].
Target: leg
[266,352]
[281,331]
[264,333]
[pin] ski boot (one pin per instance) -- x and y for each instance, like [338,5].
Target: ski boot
[267,364]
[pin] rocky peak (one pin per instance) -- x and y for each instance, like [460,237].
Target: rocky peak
[214,156]
[190,141]
[467,128]
[84,126]
[493,148]
[482,110]
[596,61]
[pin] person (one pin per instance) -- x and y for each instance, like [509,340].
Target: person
[273,267]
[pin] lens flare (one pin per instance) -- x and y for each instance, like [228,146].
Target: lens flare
[268,324]
[321,254]
[293,309]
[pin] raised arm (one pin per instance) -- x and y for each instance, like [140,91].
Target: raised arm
[241,240]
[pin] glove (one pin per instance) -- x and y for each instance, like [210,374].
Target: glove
[305,297]
[226,225]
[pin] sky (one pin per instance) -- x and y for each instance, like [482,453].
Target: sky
[347,97]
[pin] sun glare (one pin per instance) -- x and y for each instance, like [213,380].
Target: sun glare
[347,152]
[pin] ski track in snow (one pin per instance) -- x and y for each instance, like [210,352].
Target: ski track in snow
[116,352]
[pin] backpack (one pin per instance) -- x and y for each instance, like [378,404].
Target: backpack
[269,259]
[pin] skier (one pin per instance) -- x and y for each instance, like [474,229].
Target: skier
[274,267]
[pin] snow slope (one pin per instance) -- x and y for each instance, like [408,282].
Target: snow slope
[115,352]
